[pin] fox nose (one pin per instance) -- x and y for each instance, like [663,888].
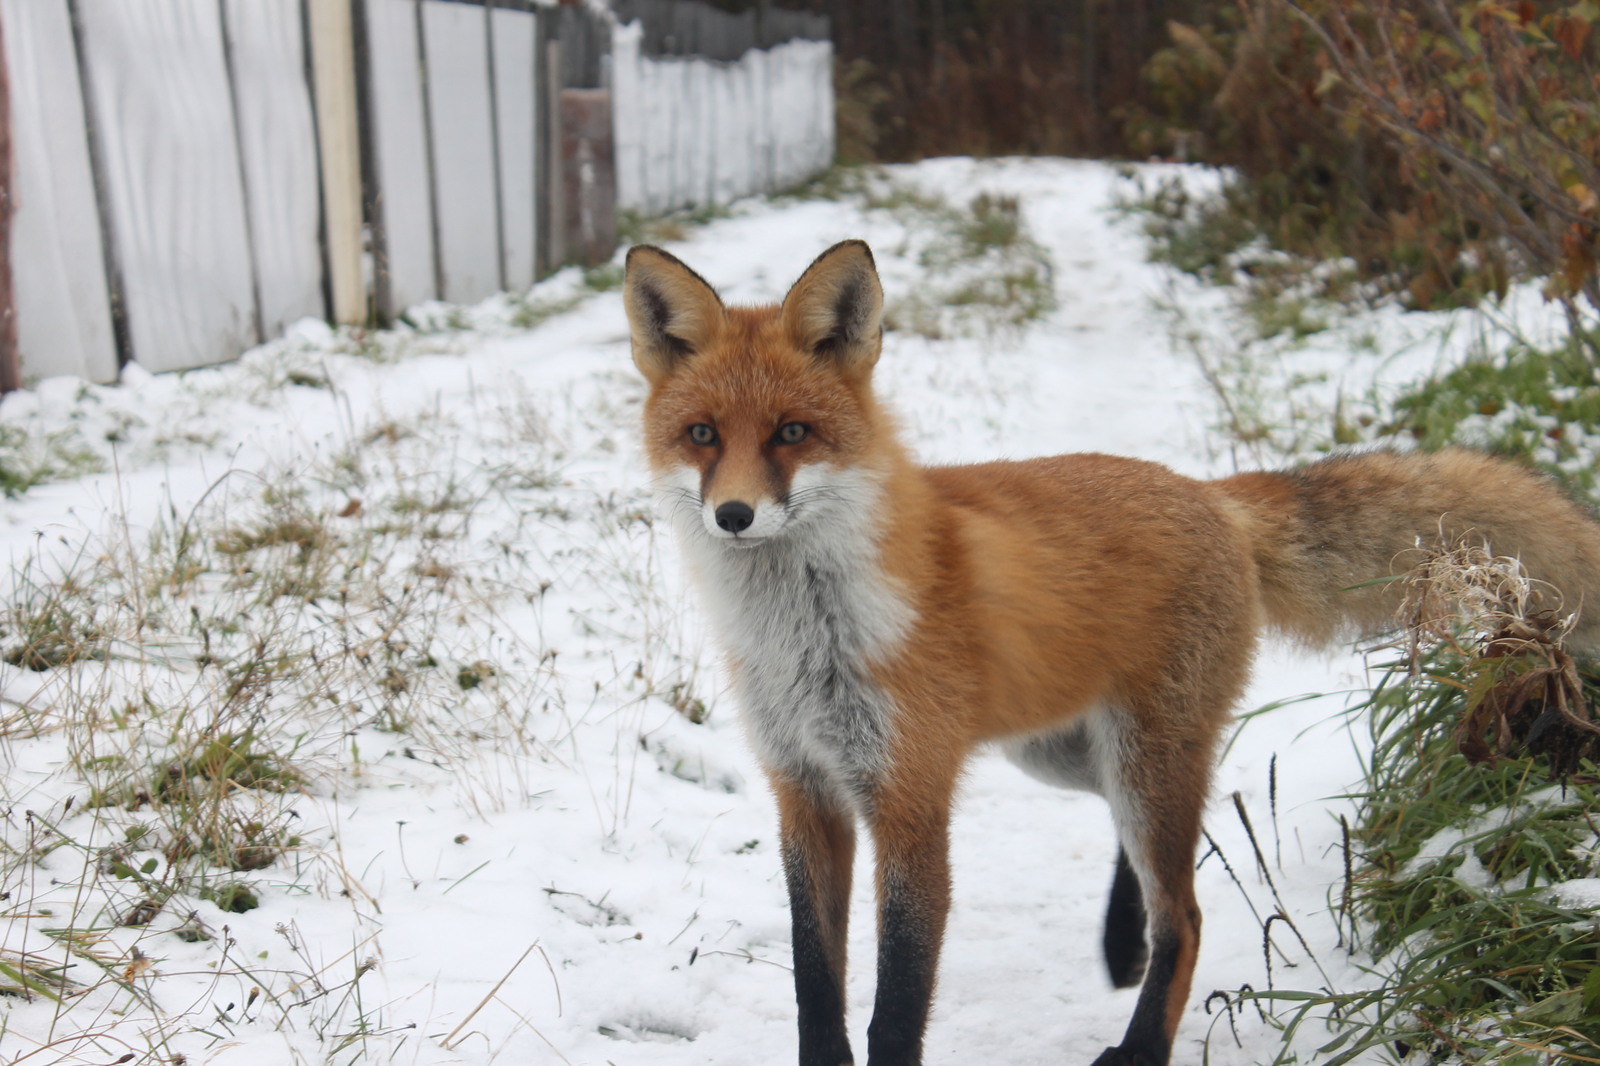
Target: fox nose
[735,517]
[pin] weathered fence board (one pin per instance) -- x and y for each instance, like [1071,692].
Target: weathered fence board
[514,35]
[63,306]
[333,78]
[455,51]
[277,135]
[164,122]
[400,187]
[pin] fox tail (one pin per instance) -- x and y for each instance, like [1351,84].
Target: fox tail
[1326,536]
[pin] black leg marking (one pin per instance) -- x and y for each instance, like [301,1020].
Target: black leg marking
[817,977]
[908,955]
[1145,1043]
[1125,946]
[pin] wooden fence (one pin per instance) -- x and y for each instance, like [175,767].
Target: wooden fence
[193,175]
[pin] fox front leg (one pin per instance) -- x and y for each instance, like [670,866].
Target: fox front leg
[910,831]
[818,850]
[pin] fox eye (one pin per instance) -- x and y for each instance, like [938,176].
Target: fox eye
[792,433]
[702,434]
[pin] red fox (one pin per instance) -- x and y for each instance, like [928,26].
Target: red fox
[1096,616]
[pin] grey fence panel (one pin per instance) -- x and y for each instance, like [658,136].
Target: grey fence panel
[163,120]
[62,302]
[400,184]
[514,35]
[455,49]
[277,135]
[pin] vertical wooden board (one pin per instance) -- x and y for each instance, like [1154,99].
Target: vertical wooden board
[463,149]
[63,302]
[718,121]
[790,84]
[278,142]
[675,147]
[164,125]
[512,35]
[331,32]
[627,114]
[658,80]
[708,134]
[695,172]
[814,59]
[781,116]
[759,132]
[735,118]
[827,129]
[399,172]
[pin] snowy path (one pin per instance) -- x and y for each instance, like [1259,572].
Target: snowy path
[626,856]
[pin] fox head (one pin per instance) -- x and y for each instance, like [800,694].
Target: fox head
[758,418]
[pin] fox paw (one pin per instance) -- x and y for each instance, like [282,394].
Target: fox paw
[1118,1056]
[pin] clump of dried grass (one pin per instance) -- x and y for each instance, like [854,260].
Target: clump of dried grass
[1525,692]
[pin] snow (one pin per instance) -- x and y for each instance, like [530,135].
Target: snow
[597,881]
[1580,892]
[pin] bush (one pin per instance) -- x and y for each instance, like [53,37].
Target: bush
[1444,147]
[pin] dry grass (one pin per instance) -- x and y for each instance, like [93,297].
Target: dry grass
[189,699]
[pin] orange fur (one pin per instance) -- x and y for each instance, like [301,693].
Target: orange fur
[1098,614]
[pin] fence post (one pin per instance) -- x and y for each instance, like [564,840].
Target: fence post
[338,137]
[554,231]
[588,175]
[10,358]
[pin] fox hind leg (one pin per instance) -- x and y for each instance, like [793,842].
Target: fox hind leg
[1157,802]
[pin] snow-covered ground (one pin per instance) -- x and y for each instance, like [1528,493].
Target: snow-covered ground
[556,865]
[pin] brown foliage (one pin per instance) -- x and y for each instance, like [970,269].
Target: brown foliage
[1444,145]
[987,77]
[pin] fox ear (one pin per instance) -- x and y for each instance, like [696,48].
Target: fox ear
[672,311]
[835,310]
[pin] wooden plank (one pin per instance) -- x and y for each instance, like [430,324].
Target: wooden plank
[456,49]
[694,135]
[761,106]
[401,186]
[513,37]
[10,359]
[174,191]
[278,149]
[554,246]
[338,136]
[627,113]
[62,303]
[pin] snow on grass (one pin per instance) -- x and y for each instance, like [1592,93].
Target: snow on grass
[377,632]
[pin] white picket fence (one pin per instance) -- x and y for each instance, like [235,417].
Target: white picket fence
[692,132]
[175,205]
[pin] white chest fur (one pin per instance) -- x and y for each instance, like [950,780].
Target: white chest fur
[804,613]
